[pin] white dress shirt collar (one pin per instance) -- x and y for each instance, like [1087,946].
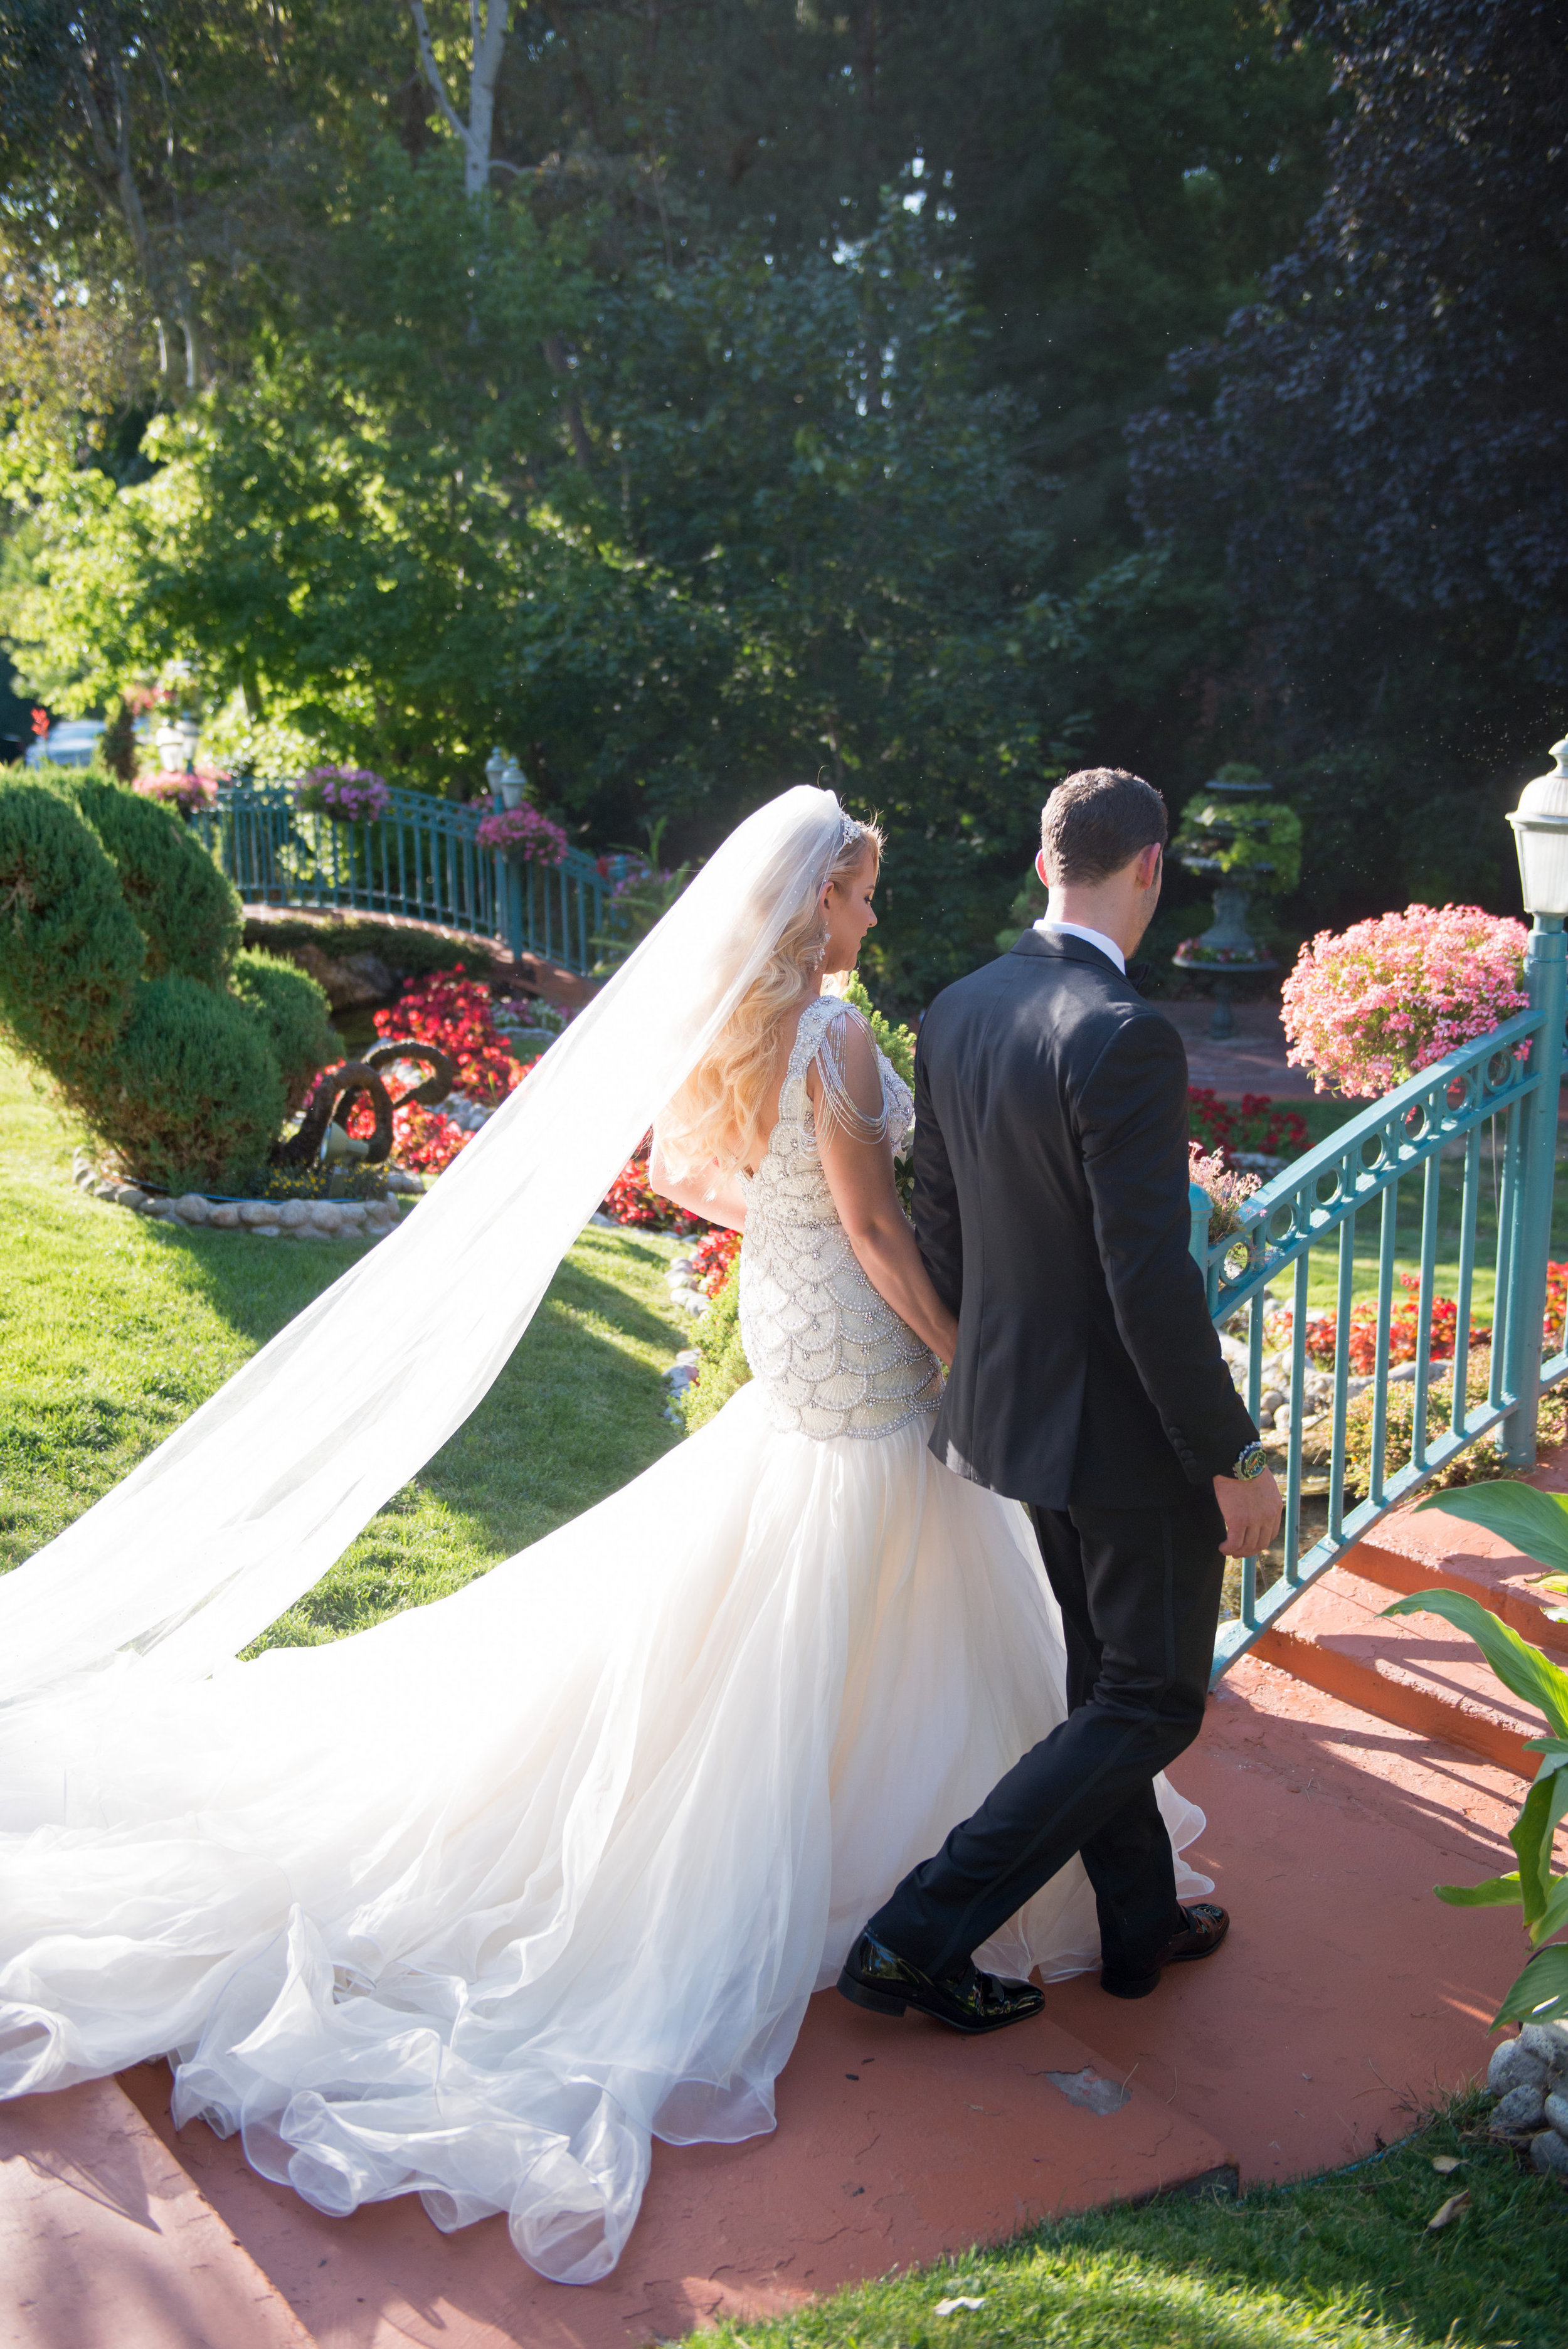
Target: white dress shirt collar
[1092,938]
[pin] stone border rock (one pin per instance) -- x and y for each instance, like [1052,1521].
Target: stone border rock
[303,1219]
[1528,2077]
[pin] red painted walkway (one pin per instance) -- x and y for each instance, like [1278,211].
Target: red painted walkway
[1345,1998]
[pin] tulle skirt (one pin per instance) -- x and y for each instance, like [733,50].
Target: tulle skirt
[476,1904]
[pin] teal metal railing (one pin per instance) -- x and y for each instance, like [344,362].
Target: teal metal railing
[1452,1176]
[421,861]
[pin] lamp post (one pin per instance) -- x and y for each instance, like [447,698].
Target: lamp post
[1541,836]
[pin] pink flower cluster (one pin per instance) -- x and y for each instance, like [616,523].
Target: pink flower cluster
[1228,1191]
[522,831]
[348,794]
[1367,1010]
[174,788]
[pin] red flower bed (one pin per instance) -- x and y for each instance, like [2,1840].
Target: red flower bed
[1322,1335]
[1260,1125]
[424,1139]
[453,1011]
[714,1260]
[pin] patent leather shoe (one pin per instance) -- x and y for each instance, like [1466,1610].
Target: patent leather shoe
[1205,1928]
[876,1977]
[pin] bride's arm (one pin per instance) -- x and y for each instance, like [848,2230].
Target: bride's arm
[859,1176]
[716,1197]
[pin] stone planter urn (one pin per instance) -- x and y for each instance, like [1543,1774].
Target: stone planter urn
[1234,833]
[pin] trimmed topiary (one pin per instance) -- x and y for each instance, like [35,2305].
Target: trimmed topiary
[183,1077]
[295,1009]
[200,1093]
[70,954]
[185,908]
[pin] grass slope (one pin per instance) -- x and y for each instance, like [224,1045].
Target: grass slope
[1345,2261]
[112,1330]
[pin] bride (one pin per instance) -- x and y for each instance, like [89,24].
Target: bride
[477,1903]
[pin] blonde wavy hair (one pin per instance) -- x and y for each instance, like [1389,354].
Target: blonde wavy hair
[719,1107]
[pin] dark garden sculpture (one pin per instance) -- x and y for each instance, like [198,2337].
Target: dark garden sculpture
[338,1089]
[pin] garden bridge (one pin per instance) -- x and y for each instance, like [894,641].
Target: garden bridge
[420,861]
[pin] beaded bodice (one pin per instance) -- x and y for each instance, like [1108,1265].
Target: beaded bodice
[829,1353]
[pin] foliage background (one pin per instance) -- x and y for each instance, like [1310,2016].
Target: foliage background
[752,397]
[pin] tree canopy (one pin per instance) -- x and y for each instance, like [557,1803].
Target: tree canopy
[1374,449]
[697,396]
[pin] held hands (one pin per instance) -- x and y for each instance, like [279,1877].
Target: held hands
[1251,1507]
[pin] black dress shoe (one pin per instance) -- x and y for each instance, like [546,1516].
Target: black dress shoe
[1206,1927]
[877,1977]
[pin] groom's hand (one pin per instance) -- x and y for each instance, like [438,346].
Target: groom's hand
[1251,1507]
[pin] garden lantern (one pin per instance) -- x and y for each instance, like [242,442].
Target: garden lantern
[495,767]
[1541,835]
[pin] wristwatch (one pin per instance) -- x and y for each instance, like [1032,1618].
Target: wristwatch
[1251,1461]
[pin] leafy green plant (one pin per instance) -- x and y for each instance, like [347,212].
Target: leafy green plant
[1536,1523]
[637,905]
[725,1369]
[1254,841]
[895,1042]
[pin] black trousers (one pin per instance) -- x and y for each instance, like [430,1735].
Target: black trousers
[1140,1595]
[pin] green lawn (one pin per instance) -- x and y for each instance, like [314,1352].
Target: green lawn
[1343,2262]
[112,1330]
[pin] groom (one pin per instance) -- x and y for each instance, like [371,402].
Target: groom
[1051,1206]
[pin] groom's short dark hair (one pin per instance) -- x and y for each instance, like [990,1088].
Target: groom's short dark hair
[1097,820]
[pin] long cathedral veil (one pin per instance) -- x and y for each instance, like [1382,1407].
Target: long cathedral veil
[247,1505]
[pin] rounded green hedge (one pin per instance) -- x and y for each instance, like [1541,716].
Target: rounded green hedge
[293,1007]
[195,1096]
[185,908]
[70,953]
[117,976]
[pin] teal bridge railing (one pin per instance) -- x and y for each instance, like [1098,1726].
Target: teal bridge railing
[1449,1181]
[421,861]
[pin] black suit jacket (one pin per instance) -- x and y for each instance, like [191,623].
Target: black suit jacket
[1051,1208]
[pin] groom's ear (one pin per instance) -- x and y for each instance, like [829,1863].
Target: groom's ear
[1040,869]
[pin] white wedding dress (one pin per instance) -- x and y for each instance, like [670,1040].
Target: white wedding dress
[476,1904]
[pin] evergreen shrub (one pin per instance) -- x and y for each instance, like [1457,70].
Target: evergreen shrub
[186,910]
[199,1095]
[181,1075]
[295,1009]
[70,953]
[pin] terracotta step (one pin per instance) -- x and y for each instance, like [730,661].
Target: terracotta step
[896,2141]
[107,2243]
[1434,1551]
[1418,1671]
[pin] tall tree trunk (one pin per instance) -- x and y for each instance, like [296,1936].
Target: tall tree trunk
[490,47]
[166,290]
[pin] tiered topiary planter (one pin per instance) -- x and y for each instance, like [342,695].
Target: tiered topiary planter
[1236,835]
